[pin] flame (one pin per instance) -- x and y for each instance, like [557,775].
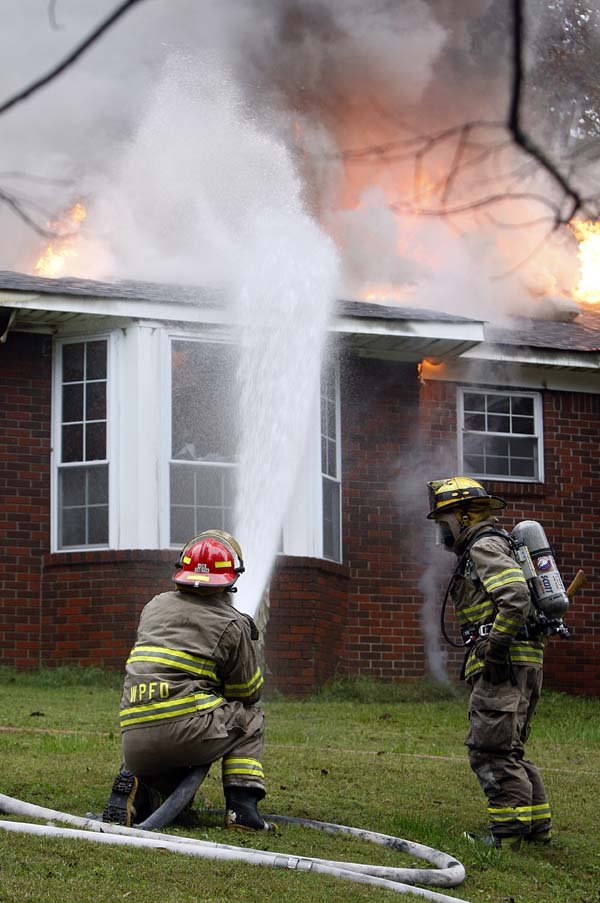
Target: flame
[588,235]
[385,293]
[61,249]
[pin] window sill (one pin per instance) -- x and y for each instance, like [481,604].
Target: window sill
[104,556]
[516,489]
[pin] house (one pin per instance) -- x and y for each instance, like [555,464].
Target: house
[104,473]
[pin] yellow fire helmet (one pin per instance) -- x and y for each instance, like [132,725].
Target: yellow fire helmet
[450,493]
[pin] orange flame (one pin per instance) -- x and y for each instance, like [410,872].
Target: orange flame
[588,235]
[53,261]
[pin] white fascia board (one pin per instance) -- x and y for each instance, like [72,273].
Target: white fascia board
[174,311]
[512,374]
[434,329]
[540,357]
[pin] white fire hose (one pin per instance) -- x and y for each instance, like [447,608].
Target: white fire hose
[448,872]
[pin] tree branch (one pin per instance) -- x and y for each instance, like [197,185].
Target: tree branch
[68,61]
[520,137]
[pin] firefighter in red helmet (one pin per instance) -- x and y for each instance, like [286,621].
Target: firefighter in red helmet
[191,691]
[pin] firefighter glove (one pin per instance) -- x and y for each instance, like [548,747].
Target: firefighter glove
[496,663]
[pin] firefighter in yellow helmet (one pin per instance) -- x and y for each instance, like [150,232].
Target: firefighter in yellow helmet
[191,690]
[503,662]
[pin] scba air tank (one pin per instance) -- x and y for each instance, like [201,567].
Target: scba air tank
[546,586]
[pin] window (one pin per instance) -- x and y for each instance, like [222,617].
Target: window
[501,434]
[83,459]
[330,463]
[203,441]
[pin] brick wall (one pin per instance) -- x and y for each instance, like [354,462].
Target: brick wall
[25,396]
[307,615]
[92,602]
[381,487]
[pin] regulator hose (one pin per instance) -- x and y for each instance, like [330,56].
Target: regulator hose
[448,872]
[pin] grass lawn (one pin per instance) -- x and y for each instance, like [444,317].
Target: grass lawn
[384,758]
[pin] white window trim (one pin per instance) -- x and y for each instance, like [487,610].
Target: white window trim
[338,463]
[538,424]
[111,440]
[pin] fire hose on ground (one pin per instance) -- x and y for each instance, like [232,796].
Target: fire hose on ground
[448,872]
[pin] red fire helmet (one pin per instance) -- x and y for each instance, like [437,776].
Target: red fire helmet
[209,561]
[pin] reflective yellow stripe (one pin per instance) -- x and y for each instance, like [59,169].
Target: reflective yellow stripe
[232,765]
[507,625]
[182,661]
[503,811]
[222,564]
[506,582]
[483,609]
[505,620]
[173,708]
[544,813]
[521,653]
[247,688]
[489,581]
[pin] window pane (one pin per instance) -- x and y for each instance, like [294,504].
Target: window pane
[95,441]
[496,465]
[522,448]
[474,402]
[182,524]
[95,401]
[498,424]
[72,481]
[520,405]
[474,464]
[473,445]
[72,362]
[96,360]
[498,404]
[98,525]
[212,519]
[494,445]
[98,485]
[209,486]
[523,425]
[323,454]
[228,477]
[73,527]
[475,422]
[203,402]
[182,485]
[331,419]
[72,402]
[331,520]
[522,468]
[331,459]
[72,443]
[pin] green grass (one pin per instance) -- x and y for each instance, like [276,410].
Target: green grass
[385,758]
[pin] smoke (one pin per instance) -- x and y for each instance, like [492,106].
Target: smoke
[326,77]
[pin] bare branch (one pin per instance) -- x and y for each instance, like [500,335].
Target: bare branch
[68,61]
[17,208]
[500,198]
[520,137]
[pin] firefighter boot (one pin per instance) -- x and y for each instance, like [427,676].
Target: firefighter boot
[507,842]
[241,810]
[130,801]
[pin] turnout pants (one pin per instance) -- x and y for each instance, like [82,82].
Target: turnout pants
[500,723]
[161,754]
